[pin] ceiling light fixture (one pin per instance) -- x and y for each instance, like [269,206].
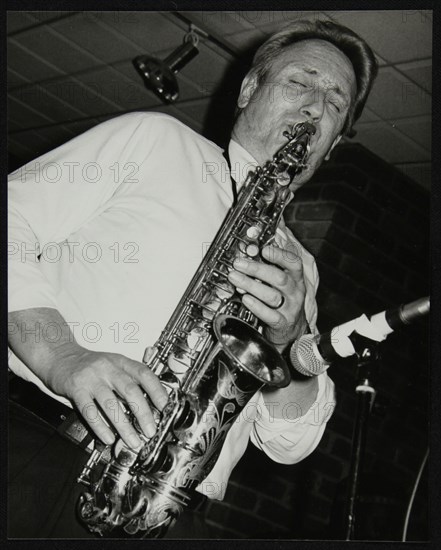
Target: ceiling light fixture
[159,76]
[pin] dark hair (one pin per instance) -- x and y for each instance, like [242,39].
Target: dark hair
[355,48]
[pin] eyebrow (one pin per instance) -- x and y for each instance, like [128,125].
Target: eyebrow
[336,89]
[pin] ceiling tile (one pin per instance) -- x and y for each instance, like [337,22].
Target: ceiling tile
[417,128]
[58,104]
[188,89]
[271,20]
[274,21]
[389,144]
[419,71]
[181,114]
[367,116]
[117,89]
[220,22]
[13,126]
[419,172]
[245,40]
[19,107]
[103,118]
[196,110]
[56,135]
[25,63]
[395,96]
[14,79]
[206,69]
[396,35]
[36,142]
[79,97]
[52,48]
[44,16]
[151,31]
[18,20]
[81,126]
[16,148]
[99,40]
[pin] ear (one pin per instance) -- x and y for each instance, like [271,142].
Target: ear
[247,88]
[334,143]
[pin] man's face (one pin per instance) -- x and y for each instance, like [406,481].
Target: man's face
[309,81]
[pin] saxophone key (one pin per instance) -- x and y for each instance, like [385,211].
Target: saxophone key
[169,381]
[224,291]
[196,338]
[252,250]
[124,456]
[283,179]
[210,309]
[179,364]
[267,199]
[253,232]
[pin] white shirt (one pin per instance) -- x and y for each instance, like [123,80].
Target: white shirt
[110,227]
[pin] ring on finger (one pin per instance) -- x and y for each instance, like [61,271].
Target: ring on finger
[280,304]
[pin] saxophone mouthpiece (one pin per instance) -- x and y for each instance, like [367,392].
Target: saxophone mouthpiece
[308,127]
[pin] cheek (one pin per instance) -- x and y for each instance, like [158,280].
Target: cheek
[256,113]
[328,135]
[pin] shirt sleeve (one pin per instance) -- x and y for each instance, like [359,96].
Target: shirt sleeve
[51,197]
[289,441]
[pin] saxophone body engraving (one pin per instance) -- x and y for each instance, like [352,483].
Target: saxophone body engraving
[211,357]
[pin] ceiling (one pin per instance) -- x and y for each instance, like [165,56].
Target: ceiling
[68,71]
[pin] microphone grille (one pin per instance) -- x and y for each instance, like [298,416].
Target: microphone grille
[304,359]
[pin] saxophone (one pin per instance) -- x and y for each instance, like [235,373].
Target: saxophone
[211,358]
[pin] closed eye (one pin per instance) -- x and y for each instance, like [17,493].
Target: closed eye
[298,82]
[334,101]
[336,106]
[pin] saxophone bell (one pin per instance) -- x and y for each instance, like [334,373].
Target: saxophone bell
[249,350]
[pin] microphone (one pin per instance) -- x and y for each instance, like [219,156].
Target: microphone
[311,355]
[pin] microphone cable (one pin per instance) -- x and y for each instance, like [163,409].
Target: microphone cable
[412,496]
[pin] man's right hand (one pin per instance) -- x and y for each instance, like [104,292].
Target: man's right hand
[95,382]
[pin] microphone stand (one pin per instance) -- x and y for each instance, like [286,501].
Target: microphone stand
[367,360]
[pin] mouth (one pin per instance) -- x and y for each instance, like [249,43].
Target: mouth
[290,128]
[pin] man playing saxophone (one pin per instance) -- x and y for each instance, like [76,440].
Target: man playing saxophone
[127,239]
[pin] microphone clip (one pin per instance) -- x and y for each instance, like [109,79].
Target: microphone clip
[367,352]
[366,349]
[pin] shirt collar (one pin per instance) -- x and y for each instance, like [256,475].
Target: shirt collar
[241,162]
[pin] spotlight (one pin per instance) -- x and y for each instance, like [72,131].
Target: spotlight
[159,76]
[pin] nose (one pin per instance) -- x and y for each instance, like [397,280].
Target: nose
[313,106]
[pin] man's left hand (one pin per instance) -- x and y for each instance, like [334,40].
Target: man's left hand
[266,285]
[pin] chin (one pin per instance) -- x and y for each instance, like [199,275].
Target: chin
[301,178]
[295,186]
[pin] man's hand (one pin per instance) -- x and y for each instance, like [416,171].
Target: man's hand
[264,285]
[97,382]
[267,285]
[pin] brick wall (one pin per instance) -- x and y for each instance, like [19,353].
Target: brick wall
[368,227]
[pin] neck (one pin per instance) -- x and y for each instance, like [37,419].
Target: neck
[240,135]
[236,137]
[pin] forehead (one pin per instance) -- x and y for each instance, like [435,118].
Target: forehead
[317,57]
